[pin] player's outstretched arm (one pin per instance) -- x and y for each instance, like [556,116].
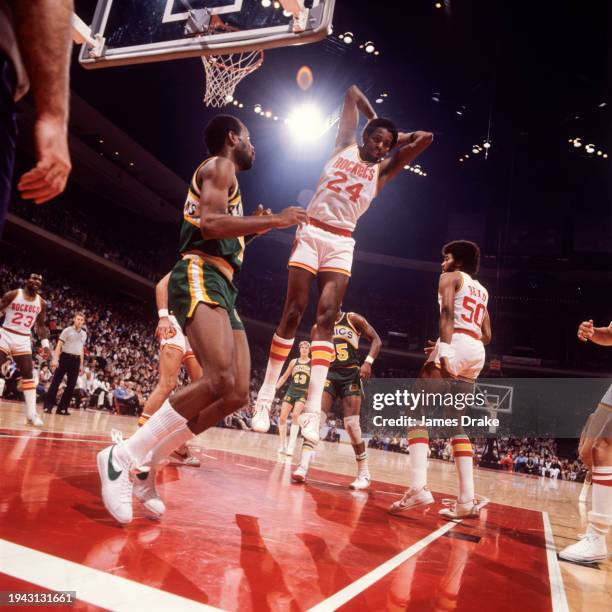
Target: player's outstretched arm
[371,335]
[44,36]
[408,148]
[164,327]
[355,102]
[217,179]
[486,329]
[598,335]
[42,331]
[283,379]
[447,288]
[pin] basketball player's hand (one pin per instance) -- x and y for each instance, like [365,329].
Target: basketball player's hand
[431,345]
[293,215]
[586,330]
[445,368]
[164,329]
[48,178]
[365,371]
[260,211]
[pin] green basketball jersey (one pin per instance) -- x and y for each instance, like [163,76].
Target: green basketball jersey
[300,377]
[230,250]
[346,342]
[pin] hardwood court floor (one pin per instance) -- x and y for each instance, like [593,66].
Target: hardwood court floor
[237,535]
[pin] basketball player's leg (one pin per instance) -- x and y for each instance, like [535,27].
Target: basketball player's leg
[417,494]
[596,453]
[308,447]
[332,287]
[298,290]
[170,357]
[211,338]
[351,409]
[25,366]
[294,430]
[286,408]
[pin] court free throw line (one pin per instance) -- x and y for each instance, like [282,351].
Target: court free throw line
[365,582]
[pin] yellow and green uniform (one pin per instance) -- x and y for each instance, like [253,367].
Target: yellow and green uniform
[298,387]
[343,377]
[207,268]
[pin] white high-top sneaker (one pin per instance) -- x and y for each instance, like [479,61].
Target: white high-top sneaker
[309,422]
[456,511]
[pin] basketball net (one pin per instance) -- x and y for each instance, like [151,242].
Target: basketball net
[225,71]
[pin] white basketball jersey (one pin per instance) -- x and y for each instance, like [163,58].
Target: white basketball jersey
[21,314]
[346,188]
[470,305]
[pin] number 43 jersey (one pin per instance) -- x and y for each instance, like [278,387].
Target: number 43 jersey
[346,188]
[471,301]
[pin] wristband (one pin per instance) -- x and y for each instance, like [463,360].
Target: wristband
[44,343]
[163,312]
[369,359]
[444,349]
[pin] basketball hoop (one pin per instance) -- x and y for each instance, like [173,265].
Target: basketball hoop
[224,72]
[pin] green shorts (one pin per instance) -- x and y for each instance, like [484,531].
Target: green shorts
[194,281]
[294,397]
[343,382]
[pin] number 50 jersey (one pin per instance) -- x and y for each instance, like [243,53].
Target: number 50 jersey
[471,301]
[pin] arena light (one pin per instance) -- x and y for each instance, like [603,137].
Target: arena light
[605,156]
[266,3]
[257,108]
[379,100]
[369,47]
[348,38]
[277,5]
[590,148]
[306,123]
[487,145]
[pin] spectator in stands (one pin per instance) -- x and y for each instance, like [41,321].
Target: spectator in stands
[506,461]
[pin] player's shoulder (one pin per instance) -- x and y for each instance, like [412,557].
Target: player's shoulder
[216,167]
[11,294]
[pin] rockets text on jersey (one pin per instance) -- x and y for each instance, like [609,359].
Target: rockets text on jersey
[21,313]
[346,188]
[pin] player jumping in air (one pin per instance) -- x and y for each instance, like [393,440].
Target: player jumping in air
[351,179]
[344,383]
[596,453]
[202,296]
[459,354]
[22,309]
[295,397]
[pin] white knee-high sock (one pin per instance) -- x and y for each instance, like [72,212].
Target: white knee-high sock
[165,422]
[279,351]
[29,393]
[322,355]
[170,443]
[464,464]
[600,516]
[418,443]
[282,432]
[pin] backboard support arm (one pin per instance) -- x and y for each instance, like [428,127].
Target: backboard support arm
[81,35]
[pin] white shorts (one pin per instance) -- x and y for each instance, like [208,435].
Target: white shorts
[467,356]
[178,340]
[317,250]
[15,344]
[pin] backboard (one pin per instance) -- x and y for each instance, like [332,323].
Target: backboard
[137,31]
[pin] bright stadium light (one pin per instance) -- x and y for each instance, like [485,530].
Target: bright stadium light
[306,124]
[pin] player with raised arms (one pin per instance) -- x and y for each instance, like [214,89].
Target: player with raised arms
[458,355]
[24,308]
[351,179]
[202,296]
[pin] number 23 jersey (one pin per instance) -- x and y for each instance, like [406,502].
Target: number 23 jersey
[346,188]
